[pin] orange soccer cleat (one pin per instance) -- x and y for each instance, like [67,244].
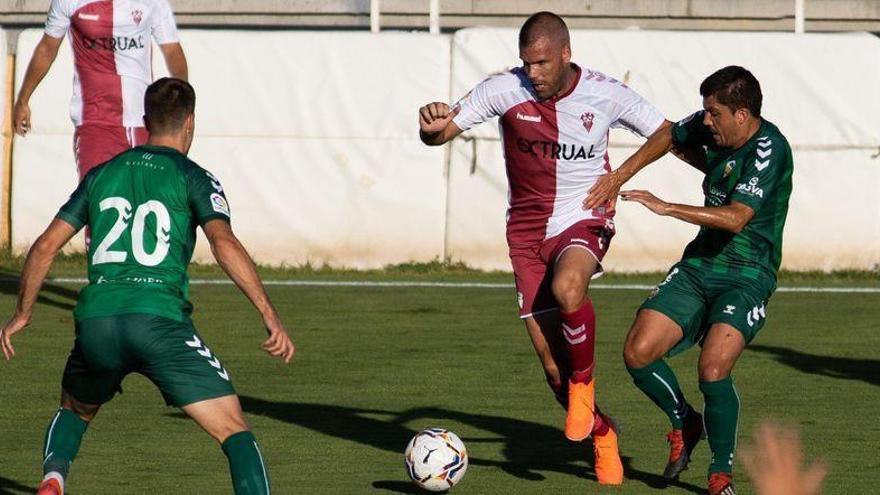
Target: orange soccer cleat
[581,409]
[609,468]
[682,443]
[50,486]
[721,484]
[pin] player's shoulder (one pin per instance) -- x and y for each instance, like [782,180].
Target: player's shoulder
[603,91]
[67,7]
[597,82]
[771,138]
[513,79]
[769,131]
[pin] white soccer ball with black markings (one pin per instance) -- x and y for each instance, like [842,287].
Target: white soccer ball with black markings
[436,459]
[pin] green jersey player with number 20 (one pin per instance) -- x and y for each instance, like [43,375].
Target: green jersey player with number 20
[143,208]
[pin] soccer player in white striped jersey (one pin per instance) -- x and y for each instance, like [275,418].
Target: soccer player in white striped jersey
[555,117]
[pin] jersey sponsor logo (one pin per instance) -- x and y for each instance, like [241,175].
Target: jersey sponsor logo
[716,197]
[751,188]
[137,16]
[528,118]
[587,121]
[219,204]
[114,43]
[554,150]
[89,17]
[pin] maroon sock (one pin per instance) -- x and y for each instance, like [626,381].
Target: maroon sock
[579,330]
[600,425]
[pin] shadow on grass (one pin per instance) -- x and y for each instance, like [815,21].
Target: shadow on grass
[525,456]
[61,297]
[12,487]
[866,370]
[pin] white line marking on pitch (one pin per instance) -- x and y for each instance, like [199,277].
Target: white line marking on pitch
[465,285]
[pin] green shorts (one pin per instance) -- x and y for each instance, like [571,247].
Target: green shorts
[170,353]
[696,298]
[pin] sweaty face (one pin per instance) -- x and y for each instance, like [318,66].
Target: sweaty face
[722,121]
[544,62]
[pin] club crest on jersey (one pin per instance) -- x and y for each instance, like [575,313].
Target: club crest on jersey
[728,167]
[137,16]
[587,120]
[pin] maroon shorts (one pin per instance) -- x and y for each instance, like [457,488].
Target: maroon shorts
[96,144]
[533,265]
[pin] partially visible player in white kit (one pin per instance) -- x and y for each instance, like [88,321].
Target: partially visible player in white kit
[112,54]
[554,118]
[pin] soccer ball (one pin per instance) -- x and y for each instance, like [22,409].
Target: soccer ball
[436,459]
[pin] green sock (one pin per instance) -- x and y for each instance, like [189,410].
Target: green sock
[62,441]
[720,416]
[658,382]
[249,475]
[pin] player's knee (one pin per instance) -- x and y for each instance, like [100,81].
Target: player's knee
[712,370]
[569,291]
[229,428]
[638,352]
[86,412]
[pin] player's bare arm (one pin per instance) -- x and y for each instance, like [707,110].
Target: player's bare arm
[36,266]
[606,188]
[435,124]
[732,218]
[175,60]
[237,263]
[42,59]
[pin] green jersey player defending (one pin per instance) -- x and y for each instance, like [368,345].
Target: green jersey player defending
[717,294]
[143,207]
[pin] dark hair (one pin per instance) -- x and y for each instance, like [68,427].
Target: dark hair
[735,88]
[543,24]
[167,104]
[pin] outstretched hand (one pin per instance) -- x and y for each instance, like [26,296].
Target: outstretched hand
[604,191]
[278,344]
[12,327]
[775,463]
[650,201]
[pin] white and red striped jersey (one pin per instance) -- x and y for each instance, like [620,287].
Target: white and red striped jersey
[112,46]
[554,149]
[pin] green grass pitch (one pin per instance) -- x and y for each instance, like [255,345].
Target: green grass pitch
[375,365]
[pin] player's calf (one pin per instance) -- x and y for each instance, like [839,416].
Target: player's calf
[246,465]
[61,444]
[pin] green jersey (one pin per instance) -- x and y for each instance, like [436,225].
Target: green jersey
[758,174]
[142,207]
